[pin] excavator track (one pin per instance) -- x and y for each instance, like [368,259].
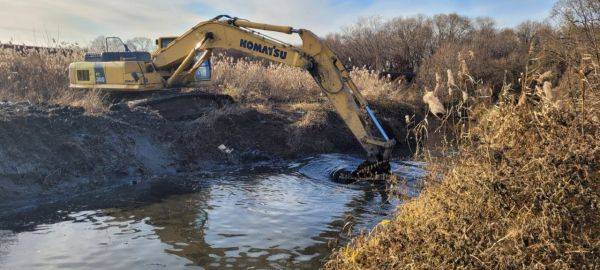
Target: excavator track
[177,106]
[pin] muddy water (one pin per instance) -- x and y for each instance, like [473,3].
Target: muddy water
[240,220]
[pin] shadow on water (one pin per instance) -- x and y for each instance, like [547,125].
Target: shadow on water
[239,220]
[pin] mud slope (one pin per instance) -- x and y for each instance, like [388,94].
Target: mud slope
[44,147]
[53,150]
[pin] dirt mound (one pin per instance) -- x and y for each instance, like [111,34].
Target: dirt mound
[254,133]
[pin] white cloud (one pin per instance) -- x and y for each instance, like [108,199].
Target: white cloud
[36,21]
[321,15]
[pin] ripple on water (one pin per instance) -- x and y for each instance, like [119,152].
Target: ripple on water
[274,220]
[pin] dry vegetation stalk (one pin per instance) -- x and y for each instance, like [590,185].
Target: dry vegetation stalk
[34,75]
[253,81]
[41,76]
[524,191]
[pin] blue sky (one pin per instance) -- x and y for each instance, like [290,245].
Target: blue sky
[37,22]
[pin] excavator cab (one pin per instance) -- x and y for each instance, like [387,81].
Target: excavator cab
[163,42]
[123,70]
[202,74]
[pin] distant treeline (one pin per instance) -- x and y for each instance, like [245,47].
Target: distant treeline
[423,46]
[419,46]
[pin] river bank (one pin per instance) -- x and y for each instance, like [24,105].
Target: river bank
[49,150]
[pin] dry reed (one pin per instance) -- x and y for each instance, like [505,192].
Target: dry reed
[251,81]
[523,191]
[34,75]
[42,76]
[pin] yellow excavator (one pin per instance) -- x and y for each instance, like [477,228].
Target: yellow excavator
[184,62]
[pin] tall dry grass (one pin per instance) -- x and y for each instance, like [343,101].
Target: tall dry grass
[253,81]
[41,76]
[34,75]
[519,188]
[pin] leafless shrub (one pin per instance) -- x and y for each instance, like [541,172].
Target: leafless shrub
[520,189]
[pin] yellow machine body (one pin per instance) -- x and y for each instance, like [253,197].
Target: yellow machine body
[115,75]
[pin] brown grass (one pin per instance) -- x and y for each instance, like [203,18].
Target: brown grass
[36,76]
[252,82]
[522,192]
[41,76]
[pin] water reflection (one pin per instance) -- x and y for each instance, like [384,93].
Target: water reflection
[264,221]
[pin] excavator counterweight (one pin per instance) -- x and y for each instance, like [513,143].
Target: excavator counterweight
[184,62]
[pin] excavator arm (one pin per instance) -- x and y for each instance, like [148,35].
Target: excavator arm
[316,57]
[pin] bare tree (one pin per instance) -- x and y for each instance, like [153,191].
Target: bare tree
[141,44]
[580,20]
[397,45]
[364,41]
[409,41]
[100,44]
[528,31]
[451,27]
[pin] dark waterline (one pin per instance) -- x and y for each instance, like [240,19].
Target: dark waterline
[262,220]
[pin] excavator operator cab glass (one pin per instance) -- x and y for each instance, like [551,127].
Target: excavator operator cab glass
[204,72]
[163,42]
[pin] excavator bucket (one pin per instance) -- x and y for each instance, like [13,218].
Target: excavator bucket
[374,172]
